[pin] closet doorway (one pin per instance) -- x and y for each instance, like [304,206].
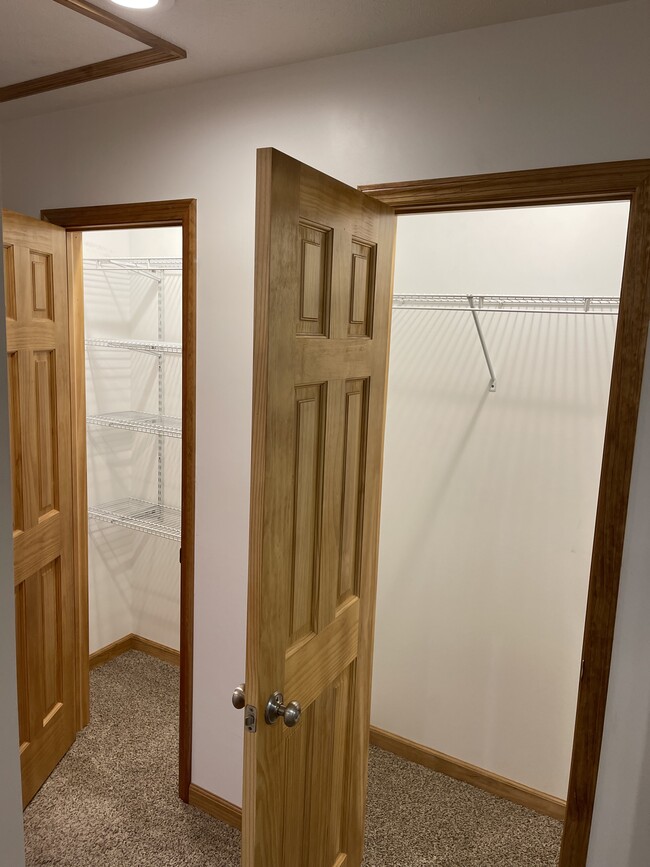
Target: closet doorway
[132,291]
[502,341]
[625,182]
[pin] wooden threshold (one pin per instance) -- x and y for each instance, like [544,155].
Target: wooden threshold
[158,51]
[215,806]
[134,642]
[502,787]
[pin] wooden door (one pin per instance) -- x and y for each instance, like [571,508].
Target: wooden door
[36,295]
[324,263]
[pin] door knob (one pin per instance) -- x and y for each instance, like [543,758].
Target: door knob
[239,698]
[276,708]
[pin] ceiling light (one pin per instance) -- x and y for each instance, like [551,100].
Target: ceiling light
[137,4]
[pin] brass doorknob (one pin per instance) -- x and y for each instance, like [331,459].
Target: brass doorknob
[275,708]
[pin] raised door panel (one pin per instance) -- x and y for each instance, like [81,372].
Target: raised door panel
[323,287]
[40,418]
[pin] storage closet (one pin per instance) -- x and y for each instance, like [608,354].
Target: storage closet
[132,300]
[501,351]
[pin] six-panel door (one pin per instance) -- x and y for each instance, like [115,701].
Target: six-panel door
[324,257]
[35,279]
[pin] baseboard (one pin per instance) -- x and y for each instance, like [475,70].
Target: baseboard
[215,806]
[548,805]
[134,642]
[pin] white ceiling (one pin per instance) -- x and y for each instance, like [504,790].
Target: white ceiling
[223,37]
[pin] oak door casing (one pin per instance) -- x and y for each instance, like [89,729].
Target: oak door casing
[324,264]
[35,272]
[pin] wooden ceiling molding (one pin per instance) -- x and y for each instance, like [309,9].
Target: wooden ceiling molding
[158,51]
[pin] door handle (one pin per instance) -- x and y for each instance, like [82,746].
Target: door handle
[239,697]
[250,712]
[275,708]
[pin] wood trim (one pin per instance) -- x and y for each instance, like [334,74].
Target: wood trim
[565,184]
[105,654]
[215,806]
[179,212]
[569,184]
[153,648]
[495,784]
[159,51]
[79,472]
[134,642]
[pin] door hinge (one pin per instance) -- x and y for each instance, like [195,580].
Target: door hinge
[582,669]
[180,555]
[250,718]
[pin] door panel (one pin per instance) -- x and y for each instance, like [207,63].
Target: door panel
[324,259]
[39,409]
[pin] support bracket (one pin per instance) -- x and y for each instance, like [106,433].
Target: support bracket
[493,379]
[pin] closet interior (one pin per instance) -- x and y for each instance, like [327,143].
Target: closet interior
[133,334]
[502,342]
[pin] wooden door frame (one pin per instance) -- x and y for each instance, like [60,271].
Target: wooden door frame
[598,182]
[182,213]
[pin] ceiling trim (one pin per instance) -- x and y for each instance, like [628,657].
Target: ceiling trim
[158,51]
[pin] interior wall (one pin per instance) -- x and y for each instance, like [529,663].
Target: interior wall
[134,578]
[489,499]
[11,819]
[556,90]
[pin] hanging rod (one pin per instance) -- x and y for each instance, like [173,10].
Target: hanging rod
[606,305]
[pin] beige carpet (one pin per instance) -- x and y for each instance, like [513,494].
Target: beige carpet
[112,801]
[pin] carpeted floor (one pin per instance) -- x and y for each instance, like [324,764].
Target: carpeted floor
[111,802]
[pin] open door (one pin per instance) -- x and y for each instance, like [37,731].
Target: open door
[324,266]
[36,295]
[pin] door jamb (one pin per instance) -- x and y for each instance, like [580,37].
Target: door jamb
[598,182]
[179,212]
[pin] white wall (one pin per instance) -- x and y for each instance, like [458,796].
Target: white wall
[556,90]
[11,820]
[489,500]
[134,578]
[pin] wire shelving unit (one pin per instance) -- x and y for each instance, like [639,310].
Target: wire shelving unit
[476,304]
[157,518]
[510,303]
[153,518]
[163,425]
[155,347]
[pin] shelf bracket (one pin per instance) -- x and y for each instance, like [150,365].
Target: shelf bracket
[493,379]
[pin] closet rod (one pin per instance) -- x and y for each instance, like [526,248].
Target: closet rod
[592,305]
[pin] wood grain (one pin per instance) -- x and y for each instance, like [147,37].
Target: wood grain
[178,212]
[134,642]
[79,470]
[41,446]
[215,806]
[159,51]
[495,784]
[629,180]
[315,485]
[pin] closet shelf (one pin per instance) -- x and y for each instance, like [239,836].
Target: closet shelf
[164,425]
[511,303]
[156,347]
[134,264]
[153,518]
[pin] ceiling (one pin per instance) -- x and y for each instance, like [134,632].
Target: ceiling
[223,37]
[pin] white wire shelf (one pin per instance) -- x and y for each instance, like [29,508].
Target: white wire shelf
[166,263]
[152,518]
[163,425]
[156,347]
[511,303]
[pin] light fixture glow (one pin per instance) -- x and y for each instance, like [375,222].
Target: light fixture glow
[137,4]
